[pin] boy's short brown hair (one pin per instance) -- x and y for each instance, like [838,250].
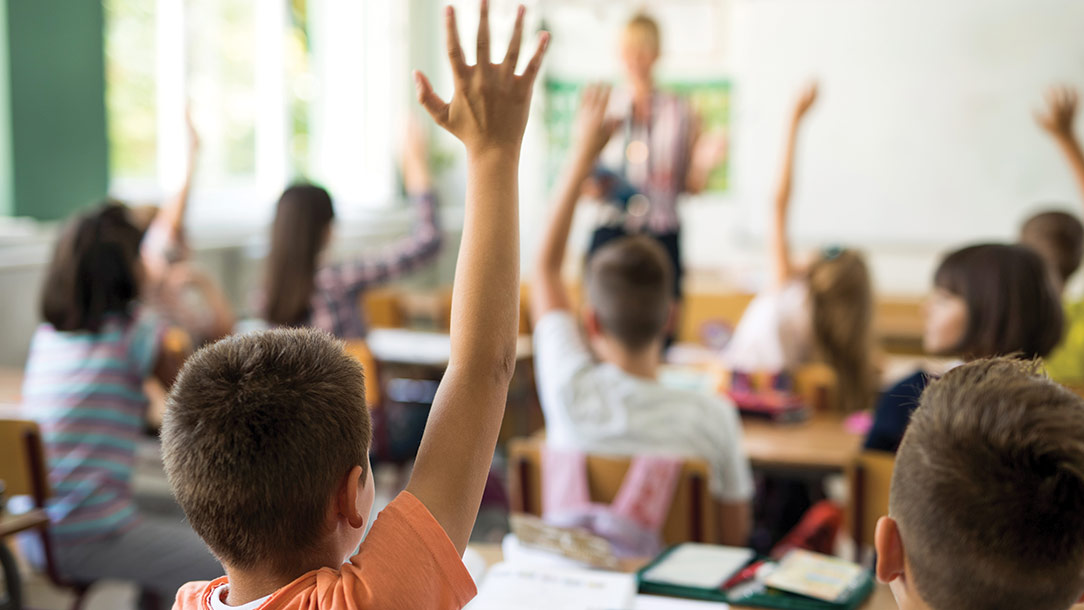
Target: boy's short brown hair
[1059,238]
[988,490]
[629,285]
[259,430]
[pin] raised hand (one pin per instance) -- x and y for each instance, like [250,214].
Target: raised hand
[592,128]
[805,100]
[488,111]
[1057,117]
[416,175]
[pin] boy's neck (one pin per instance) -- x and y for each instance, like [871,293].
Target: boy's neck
[643,363]
[247,586]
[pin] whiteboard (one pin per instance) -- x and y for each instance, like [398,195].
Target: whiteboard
[923,134]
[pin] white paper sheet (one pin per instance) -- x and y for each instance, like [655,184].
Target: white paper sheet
[509,587]
[654,602]
[704,566]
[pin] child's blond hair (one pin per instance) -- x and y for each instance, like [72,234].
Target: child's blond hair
[841,299]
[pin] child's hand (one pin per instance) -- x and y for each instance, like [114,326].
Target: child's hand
[1057,119]
[190,126]
[489,108]
[416,176]
[592,128]
[805,101]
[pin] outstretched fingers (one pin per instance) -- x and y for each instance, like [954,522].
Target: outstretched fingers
[531,72]
[483,34]
[511,58]
[433,104]
[455,50]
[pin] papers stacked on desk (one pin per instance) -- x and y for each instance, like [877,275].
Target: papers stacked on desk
[509,587]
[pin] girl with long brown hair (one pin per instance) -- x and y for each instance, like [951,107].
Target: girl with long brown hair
[822,312]
[301,290]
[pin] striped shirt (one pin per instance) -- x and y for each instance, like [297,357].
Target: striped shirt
[86,391]
[660,174]
[336,305]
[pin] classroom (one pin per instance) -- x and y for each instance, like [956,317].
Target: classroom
[533,304]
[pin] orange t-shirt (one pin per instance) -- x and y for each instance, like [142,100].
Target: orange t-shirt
[406,561]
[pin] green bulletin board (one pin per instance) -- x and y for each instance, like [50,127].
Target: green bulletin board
[710,99]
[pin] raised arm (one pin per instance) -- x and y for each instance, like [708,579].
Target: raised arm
[782,263]
[593,131]
[488,113]
[422,244]
[1057,119]
[170,218]
[707,149]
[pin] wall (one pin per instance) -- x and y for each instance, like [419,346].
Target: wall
[923,140]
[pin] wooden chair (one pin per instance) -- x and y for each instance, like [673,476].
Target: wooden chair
[381,308]
[816,384]
[870,482]
[24,471]
[360,351]
[692,515]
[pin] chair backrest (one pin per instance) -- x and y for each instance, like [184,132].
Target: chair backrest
[381,308]
[870,482]
[817,385]
[692,516]
[360,350]
[22,460]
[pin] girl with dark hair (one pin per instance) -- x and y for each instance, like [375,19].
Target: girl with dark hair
[988,300]
[84,385]
[302,291]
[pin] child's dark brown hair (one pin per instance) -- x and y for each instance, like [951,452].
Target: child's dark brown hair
[259,430]
[302,221]
[95,271]
[1012,304]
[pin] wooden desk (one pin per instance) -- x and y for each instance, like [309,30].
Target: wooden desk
[880,600]
[11,385]
[422,348]
[819,444]
[13,524]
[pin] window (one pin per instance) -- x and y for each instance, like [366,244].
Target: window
[279,91]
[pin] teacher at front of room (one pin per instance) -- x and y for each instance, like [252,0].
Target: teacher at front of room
[657,152]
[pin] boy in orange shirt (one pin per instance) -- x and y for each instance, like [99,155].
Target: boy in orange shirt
[267,435]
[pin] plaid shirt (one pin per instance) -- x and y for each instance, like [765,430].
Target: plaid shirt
[662,176]
[335,301]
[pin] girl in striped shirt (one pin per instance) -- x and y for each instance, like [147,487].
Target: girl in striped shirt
[84,383]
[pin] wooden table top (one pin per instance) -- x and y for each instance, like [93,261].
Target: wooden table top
[13,524]
[880,600]
[11,385]
[820,443]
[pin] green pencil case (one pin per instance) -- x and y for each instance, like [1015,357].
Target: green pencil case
[755,594]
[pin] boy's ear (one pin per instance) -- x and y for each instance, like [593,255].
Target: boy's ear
[889,545]
[348,497]
[591,323]
[671,320]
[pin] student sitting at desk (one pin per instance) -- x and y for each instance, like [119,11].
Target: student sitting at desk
[1059,237]
[820,312]
[988,300]
[986,510]
[84,382]
[617,405]
[267,435]
[300,290]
